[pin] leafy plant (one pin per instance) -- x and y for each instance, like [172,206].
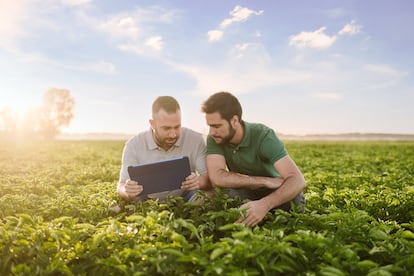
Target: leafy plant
[57,217]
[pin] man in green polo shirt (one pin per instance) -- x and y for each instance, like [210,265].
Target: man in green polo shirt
[250,160]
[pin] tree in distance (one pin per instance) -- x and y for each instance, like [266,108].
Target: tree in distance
[56,111]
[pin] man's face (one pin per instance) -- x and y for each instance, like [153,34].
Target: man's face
[166,128]
[220,129]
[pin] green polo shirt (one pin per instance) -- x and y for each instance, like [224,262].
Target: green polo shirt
[255,155]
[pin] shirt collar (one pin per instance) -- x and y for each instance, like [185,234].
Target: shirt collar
[246,136]
[152,145]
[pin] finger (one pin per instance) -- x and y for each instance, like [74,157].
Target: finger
[130,182]
[240,220]
[137,191]
[188,187]
[191,176]
[249,221]
[190,184]
[134,189]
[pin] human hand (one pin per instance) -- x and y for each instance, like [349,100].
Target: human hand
[191,182]
[256,211]
[133,189]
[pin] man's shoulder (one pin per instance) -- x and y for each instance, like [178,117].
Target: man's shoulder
[256,126]
[140,137]
[257,129]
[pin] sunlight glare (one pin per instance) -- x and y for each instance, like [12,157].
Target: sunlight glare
[18,108]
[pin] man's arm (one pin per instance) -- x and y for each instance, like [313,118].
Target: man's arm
[293,183]
[220,177]
[204,182]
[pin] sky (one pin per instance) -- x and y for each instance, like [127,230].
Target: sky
[300,67]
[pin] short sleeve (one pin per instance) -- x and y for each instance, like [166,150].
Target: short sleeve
[272,148]
[128,159]
[201,157]
[212,147]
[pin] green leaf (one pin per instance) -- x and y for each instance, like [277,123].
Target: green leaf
[217,252]
[407,235]
[331,271]
[378,234]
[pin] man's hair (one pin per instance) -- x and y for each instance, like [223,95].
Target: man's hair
[225,104]
[168,103]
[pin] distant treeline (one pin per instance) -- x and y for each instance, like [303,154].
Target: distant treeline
[351,137]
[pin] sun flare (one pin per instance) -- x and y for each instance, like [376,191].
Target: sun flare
[15,110]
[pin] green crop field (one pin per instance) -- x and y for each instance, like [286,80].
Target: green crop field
[57,218]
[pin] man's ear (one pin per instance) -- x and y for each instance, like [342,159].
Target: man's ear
[234,121]
[152,123]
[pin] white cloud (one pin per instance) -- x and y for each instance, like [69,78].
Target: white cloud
[240,50]
[351,29]
[247,68]
[120,26]
[133,31]
[76,2]
[152,46]
[155,42]
[383,69]
[243,46]
[329,96]
[101,67]
[214,35]
[316,39]
[238,81]
[132,48]
[28,18]
[250,55]
[239,14]
[381,76]
[13,14]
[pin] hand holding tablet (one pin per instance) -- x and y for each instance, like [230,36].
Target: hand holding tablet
[166,175]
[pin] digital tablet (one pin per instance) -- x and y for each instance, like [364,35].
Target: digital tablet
[166,175]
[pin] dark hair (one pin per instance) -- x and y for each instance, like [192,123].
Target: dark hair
[168,103]
[224,103]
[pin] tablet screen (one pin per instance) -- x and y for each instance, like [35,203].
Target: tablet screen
[166,175]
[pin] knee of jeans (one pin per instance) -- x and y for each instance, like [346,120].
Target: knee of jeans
[300,201]
[189,195]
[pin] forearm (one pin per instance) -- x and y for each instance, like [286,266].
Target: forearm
[205,183]
[225,179]
[289,189]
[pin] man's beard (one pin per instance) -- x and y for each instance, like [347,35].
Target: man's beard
[166,142]
[227,139]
